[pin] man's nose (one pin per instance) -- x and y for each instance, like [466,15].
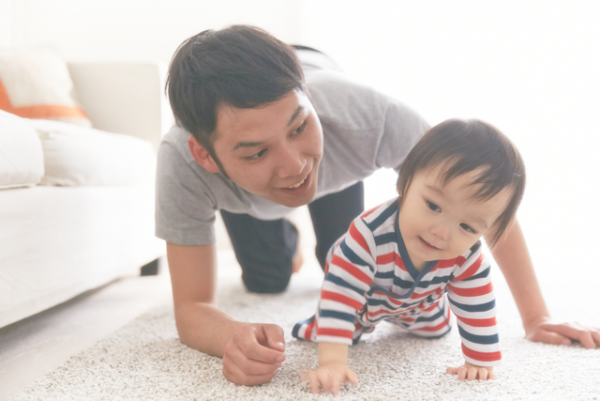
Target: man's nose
[291,162]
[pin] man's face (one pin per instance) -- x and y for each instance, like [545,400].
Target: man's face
[440,221]
[272,151]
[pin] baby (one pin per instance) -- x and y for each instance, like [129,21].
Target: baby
[413,259]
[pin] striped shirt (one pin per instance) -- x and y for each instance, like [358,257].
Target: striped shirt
[370,278]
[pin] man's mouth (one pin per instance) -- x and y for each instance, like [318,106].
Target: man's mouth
[297,185]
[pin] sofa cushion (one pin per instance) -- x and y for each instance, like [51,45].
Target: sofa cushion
[21,160]
[35,83]
[75,155]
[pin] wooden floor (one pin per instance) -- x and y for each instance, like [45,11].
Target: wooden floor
[34,346]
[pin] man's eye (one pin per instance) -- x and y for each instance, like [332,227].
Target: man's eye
[256,156]
[433,206]
[468,228]
[300,129]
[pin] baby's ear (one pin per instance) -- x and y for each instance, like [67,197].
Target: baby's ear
[202,156]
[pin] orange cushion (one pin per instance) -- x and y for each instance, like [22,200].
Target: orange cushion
[35,83]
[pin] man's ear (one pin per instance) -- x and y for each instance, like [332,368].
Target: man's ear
[202,156]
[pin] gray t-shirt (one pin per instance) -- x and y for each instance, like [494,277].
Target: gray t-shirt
[363,131]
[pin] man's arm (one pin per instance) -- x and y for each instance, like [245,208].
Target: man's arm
[513,258]
[251,353]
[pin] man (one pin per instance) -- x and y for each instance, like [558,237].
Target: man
[267,137]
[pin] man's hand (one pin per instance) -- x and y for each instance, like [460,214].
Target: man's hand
[472,372]
[546,331]
[329,377]
[254,354]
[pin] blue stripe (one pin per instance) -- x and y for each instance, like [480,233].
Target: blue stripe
[385,238]
[353,257]
[440,313]
[475,308]
[385,275]
[348,317]
[332,278]
[383,216]
[491,339]
[421,284]
[484,273]
[298,325]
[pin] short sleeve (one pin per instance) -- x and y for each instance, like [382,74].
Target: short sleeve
[402,129]
[185,206]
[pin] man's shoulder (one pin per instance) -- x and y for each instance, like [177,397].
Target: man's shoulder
[338,98]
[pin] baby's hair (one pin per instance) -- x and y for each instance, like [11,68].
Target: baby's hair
[462,146]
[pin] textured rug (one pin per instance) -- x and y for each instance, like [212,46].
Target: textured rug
[145,360]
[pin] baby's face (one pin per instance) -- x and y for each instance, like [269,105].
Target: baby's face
[440,221]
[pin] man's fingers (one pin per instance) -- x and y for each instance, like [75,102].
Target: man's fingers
[251,348]
[252,367]
[235,375]
[274,337]
[548,337]
[574,331]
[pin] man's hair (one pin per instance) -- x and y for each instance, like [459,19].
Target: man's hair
[239,66]
[462,146]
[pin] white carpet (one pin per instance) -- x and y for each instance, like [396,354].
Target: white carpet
[145,360]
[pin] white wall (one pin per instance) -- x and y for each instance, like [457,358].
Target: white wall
[6,23]
[134,30]
[530,67]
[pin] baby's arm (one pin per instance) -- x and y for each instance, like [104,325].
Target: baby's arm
[332,371]
[471,297]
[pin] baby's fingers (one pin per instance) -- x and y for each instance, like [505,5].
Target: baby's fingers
[352,377]
[309,376]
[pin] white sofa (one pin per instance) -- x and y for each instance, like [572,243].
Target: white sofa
[59,241]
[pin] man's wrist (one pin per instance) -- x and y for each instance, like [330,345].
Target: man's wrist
[533,322]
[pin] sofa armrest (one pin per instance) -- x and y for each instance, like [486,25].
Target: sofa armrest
[125,98]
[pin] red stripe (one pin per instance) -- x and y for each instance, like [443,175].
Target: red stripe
[450,262]
[392,300]
[482,356]
[400,262]
[380,312]
[471,270]
[350,268]
[357,236]
[435,328]
[422,295]
[323,331]
[309,329]
[489,322]
[473,292]
[334,296]
[386,258]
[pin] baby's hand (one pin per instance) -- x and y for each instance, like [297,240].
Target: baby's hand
[472,372]
[329,377]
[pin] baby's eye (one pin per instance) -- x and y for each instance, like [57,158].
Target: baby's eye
[433,206]
[468,228]
[256,156]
